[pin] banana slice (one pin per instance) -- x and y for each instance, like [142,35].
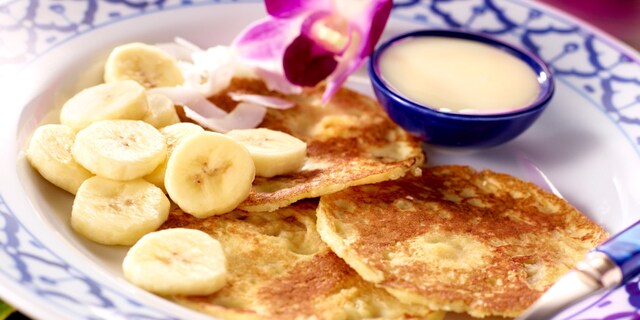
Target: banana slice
[208,174]
[49,152]
[177,262]
[161,112]
[174,134]
[273,152]
[146,64]
[120,149]
[107,101]
[116,212]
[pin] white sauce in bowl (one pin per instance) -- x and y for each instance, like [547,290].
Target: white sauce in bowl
[458,75]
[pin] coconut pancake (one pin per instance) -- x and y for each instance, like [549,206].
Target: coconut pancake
[456,239]
[279,268]
[350,141]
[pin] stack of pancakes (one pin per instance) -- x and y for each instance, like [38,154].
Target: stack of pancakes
[381,235]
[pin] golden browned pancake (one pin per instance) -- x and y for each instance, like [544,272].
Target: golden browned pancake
[351,141]
[456,239]
[279,268]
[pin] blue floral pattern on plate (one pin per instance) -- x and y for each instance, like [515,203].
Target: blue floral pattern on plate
[27,254]
[592,65]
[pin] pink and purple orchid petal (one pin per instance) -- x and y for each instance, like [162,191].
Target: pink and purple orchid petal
[310,29]
[290,8]
[369,26]
[372,23]
[262,46]
[312,40]
[306,63]
[266,39]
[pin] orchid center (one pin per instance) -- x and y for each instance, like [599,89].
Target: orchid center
[332,33]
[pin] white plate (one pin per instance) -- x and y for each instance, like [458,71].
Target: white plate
[586,143]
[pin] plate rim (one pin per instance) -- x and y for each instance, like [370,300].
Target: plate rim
[598,33]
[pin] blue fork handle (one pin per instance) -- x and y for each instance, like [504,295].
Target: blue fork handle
[624,250]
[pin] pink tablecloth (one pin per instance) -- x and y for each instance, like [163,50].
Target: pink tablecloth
[620,18]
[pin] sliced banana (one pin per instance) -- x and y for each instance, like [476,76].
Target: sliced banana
[49,152]
[118,212]
[161,112]
[273,152]
[177,262]
[174,134]
[146,64]
[208,174]
[107,101]
[120,149]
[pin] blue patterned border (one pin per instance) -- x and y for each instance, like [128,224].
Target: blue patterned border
[592,66]
[30,28]
[37,268]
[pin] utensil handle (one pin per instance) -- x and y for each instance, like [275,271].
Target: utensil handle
[624,251]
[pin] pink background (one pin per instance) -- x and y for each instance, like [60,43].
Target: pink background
[620,18]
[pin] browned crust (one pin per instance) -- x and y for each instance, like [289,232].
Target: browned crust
[342,139]
[321,276]
[531,237]
[273,276]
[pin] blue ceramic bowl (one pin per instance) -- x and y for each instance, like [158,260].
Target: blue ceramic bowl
[456,129]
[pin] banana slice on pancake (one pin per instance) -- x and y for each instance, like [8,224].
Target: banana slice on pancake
[208,174]
[177,262]
[273,152]
[174,134]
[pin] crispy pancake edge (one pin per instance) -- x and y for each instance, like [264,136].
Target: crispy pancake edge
[302,288]
[342,139]
[443,298]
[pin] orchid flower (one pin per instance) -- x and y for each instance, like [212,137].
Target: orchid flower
[303,42]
